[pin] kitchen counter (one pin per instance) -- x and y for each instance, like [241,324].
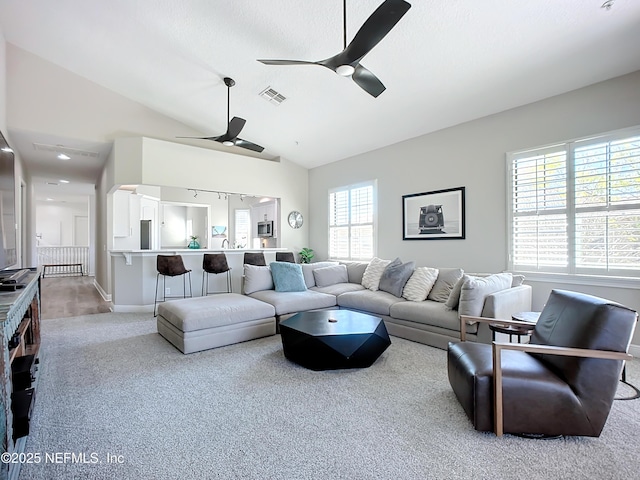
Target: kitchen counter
[133,274]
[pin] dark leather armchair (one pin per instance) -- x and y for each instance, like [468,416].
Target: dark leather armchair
[562,383]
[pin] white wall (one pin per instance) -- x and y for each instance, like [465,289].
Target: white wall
[473,155]
[24,224]
[204,169]
[3,83]
[55,222]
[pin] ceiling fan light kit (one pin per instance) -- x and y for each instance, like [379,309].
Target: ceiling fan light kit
[347,62]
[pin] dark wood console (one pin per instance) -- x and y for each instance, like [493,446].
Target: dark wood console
[19,362]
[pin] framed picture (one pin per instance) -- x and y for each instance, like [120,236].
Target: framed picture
[437,215]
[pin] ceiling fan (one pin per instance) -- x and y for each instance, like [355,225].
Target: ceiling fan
[234,127]
[347,63]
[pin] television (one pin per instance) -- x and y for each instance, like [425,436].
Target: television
[8,233]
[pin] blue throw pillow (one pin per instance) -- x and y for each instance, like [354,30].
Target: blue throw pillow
[287,277]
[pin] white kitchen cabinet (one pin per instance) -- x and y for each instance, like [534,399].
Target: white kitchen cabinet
[121,213]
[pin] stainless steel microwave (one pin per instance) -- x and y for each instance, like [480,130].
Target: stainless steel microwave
[265,229]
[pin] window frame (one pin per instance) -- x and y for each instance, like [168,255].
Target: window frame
[572,273]
[374,223]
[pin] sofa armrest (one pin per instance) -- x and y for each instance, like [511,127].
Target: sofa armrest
[505,303]
[547,349]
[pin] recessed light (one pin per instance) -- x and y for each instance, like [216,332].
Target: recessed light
[62,156]
[49,199]
[64,181]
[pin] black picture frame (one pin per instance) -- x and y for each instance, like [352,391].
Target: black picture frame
[436,215]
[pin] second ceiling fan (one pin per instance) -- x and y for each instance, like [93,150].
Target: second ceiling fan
[234,127]
[347,63]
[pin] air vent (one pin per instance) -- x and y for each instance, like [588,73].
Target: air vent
[61,149]
[272,96]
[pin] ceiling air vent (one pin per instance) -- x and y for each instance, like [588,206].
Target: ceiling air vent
[61,149]
[272,96]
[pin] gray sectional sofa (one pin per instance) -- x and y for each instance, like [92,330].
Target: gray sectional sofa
[433,321]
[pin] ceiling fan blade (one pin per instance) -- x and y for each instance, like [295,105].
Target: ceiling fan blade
[287,62]
[377,26]
[248,145]
[235,127]
[368,81]
[201,138]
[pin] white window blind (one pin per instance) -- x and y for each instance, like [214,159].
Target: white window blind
[242,228]
[575,207]
[351,222]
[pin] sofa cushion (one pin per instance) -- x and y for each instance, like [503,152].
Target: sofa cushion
[339,288]
[201,313]
[447,278]
[355,270]
[293,302]
[427,312]
[287,277]
[476,289]
[308,268]
[368,301]
[420,284]
[517,280]
[395,277]
[257,278]
[326,276]
[373,272]
[454,295]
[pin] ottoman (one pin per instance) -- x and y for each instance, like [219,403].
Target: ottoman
[201,323]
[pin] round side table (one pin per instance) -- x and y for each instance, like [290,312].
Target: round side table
[517,330]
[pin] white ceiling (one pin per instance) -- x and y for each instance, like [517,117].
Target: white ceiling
[443,64]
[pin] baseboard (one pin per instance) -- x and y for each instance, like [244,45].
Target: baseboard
[105,296]
[133,308]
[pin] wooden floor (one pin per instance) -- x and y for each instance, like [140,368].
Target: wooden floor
[69,297]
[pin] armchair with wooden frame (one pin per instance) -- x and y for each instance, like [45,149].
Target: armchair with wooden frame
[561,383]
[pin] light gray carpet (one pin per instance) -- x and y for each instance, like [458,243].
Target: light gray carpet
[111,385]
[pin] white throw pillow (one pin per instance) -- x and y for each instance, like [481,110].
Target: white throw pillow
[476,289]
[371,277]
[257,278]
[420,284]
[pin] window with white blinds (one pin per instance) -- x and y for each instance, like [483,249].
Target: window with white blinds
[352,222]
[575,207]
[242,230]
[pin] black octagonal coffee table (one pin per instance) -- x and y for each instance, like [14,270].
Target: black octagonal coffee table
[333,339]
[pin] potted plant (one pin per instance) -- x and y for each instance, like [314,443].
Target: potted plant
[194,242]
[306,254]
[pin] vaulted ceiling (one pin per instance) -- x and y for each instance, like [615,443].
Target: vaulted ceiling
[444,63]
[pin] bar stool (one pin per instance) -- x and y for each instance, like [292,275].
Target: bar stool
[170,266]
[255,258]
[285,257]
[215,263]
